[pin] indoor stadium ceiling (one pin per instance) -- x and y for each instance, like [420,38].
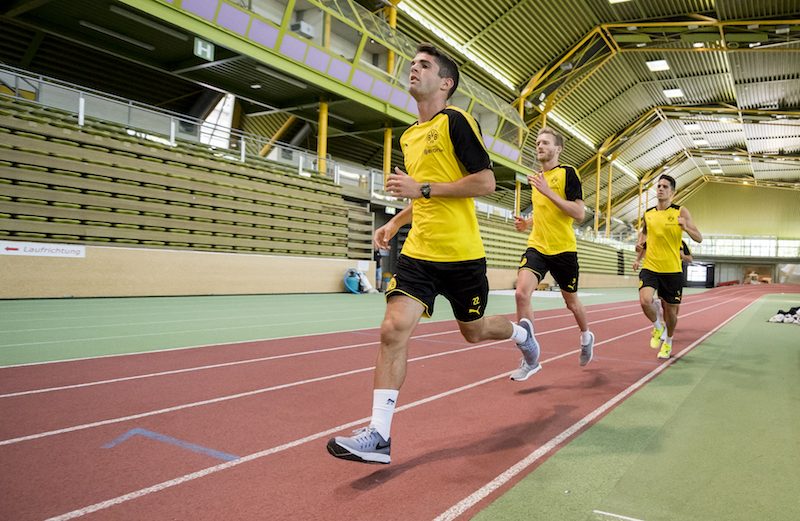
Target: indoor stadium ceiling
[584,63]
[113,48]
[733,67]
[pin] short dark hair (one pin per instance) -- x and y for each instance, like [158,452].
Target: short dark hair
[558,138]
[447,67]
[670,179]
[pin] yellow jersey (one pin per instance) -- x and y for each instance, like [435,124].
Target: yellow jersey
[663,240]
[552,231]
[444,149]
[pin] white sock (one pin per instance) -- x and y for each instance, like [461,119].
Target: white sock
[519,335]
[668,341]
[659,311]
[657,324]
[383,402]
[585,337]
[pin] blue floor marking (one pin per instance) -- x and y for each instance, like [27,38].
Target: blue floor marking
[173,441]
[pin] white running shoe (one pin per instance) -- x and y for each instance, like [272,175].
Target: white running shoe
[587,350]
[365,446]
[530,354]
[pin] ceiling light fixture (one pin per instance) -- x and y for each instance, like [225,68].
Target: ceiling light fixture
[284,78]
[149,23]
[673,93]
[700,142]
[617,1]
[340,118]
[569,128]
[424,21]
[698,45]
[716,170]
[627,171]
[658,65]
[692,127]
[712,162]
[118,36]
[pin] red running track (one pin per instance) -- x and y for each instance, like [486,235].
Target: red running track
[275,403]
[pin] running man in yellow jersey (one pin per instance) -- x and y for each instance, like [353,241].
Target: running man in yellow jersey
[662,272]
[658,304]
[447,166]
[557,199]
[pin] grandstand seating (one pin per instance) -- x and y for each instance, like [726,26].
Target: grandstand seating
[96,184]
[504,246]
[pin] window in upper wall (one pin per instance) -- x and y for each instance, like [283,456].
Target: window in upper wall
[216,129]
[272,10]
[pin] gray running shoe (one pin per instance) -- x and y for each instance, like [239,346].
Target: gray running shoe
[530,354]
[530,347]
[525,371]
[365,446]
[587,350]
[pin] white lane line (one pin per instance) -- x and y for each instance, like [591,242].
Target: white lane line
[157,350]
[280,448]
[282,386]
[166,333]
[617,516]
[274,357]
[195,330]
[214,318]
[204,367]
[263,359]
[480,494]
[267,452]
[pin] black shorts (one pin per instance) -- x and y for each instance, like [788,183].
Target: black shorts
[668,285]
[563,266]
[463,283]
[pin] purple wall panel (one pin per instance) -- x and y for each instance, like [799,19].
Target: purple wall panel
[362,80]
[399,98]
[381,90]
[202,8]
[339,70]
[318,59]
[231,18]
[263,33]
[293,48]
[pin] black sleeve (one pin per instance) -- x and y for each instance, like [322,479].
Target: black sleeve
[467,145]
[573,189]
[685,248]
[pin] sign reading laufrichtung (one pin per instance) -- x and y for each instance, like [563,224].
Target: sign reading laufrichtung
[42,249]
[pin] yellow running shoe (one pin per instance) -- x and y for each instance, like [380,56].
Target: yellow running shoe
[666,350]
[657,337]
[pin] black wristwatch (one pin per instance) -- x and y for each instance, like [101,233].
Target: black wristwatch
[425,190]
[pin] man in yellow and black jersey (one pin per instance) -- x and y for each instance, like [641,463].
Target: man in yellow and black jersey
[658,304]
[662,272]
[557,201]
[447,166]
